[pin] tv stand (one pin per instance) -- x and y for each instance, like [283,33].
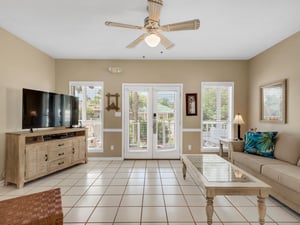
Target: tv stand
[32,155]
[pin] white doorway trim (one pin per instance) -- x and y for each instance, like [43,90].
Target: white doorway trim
[179,86]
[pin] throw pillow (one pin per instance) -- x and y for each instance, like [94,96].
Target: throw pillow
[260,143]
[298,164]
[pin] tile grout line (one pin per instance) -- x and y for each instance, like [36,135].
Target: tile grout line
[118,207]
[163,195]
[187,205]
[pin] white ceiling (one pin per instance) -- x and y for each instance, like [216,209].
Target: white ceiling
[74,29]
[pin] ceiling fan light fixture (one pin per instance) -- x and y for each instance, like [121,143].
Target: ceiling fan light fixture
[152,40]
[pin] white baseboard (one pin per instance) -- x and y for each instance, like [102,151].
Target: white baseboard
[104,158]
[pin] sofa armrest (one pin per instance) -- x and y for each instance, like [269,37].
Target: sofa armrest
[236,146]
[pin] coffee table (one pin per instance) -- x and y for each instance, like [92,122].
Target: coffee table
[216,176]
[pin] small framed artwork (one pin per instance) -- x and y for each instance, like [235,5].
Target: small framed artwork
[191,104]
[273,102]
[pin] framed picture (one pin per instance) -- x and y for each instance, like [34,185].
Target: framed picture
[191,104]
[273,102]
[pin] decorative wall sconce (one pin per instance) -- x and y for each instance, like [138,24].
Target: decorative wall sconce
[114,104]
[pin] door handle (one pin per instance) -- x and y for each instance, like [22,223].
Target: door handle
[154,123]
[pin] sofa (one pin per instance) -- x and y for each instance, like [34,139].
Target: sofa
[282,172]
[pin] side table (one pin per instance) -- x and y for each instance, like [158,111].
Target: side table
[228,142]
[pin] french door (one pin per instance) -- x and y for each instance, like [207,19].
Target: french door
[152,121]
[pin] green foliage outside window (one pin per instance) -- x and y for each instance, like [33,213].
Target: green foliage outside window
[210,104]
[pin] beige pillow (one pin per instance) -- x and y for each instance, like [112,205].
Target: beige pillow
[287,148]
[298,164]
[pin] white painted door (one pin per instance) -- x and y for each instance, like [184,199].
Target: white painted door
[152,121]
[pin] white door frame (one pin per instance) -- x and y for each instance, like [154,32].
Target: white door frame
[150,85]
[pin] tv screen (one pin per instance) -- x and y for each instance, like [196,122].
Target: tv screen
[45,109]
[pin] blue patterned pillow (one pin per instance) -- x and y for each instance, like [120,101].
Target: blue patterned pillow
[260,143]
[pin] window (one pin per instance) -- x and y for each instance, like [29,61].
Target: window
[90,111]
[216,113]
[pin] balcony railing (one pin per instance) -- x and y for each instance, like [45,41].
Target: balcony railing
[212,131]
[138,134]
[94,135]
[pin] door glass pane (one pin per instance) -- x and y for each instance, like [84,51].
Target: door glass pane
[165,107]
[138,121]
[216,113]
[90,112]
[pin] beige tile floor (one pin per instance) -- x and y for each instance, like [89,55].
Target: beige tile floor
[144,192]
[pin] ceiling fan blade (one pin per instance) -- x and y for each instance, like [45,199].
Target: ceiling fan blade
[186,25]
[123,25]
[165,41]
[137,41]
[154,7]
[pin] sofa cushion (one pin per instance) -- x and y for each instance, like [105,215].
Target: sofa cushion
[260,143]
[287,175]
[287,148]
[253,162]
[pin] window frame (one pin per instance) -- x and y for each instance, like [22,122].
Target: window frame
[230,116]
[94,83]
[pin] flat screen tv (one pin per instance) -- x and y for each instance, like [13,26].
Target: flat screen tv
[46,109]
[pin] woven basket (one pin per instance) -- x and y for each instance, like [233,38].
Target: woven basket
[43,208]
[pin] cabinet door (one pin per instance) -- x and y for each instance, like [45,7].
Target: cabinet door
[82,149]
[79,149]
[35,160]
[75,150]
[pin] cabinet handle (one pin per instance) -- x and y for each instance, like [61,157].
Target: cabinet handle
[60,154]
[61,163]
[59,145]
[46,157]
[73,150]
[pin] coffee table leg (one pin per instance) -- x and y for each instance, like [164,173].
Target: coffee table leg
[209,209]
[184,170]
[261,209]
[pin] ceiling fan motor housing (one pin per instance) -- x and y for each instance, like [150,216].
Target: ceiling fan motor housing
[160,2]
[151,24]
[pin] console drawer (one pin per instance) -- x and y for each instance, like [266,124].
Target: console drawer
[59,150]
[59,163]
[60,144]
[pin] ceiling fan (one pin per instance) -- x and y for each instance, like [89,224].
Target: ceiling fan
[153,29]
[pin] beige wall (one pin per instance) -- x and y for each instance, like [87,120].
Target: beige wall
[189,73]
[21,66]
[279,62]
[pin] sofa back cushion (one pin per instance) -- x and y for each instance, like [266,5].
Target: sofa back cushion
[287,148]
[260,143]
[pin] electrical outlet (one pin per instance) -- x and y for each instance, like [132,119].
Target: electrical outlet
[190,147]
[112,147]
